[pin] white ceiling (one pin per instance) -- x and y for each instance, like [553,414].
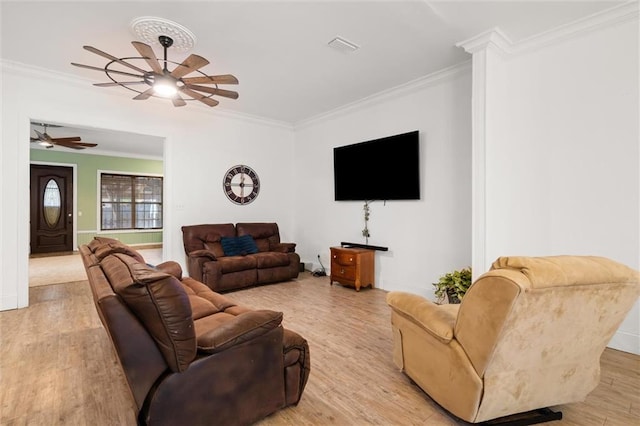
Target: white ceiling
[278,49]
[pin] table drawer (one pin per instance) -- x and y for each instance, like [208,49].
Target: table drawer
[346,259]
[343,271]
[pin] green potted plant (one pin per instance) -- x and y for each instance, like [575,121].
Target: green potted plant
[453,285]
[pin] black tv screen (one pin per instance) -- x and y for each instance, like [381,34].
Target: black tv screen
[379,169]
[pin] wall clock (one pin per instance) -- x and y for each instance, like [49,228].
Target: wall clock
[241,184]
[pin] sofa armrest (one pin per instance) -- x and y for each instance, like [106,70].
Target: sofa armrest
[284,247]
[170,267]
[240,329]
[437,320]
[203,253]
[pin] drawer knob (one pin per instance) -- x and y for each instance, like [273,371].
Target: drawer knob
[351,259]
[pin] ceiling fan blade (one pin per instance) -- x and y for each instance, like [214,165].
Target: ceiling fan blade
[89,67]
[122,83]
[208,101]
[212,79]
[220,92]
[144,95]
[204,99]
[192,63]
[178,101]
[69,145]
[34,139]
[113,58]
[147,52]
[70,139]
[86,144]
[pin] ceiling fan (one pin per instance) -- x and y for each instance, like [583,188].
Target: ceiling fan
[48,142]
[160,81]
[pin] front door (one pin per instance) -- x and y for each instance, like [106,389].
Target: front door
[51,209]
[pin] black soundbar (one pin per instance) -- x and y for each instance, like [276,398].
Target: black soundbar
[364,246]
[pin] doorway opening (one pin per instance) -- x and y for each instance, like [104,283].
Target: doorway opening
[57,202]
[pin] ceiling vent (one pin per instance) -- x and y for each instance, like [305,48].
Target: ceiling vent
[343,45]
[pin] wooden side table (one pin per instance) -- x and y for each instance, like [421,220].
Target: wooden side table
[354,267]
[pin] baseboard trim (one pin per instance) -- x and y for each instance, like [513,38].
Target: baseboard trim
[625,342]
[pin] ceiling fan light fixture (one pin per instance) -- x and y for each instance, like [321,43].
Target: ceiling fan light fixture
[165,87]
[45,144]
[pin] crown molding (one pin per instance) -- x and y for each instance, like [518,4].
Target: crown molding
[499,41]
[24,70]
[30,71]
[388,94]
[493,38]
[615,15]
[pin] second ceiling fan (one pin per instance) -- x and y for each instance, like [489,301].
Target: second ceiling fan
[47,141]
[160,81]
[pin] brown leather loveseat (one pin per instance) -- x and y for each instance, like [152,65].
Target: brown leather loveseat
[190,355]
[209,260]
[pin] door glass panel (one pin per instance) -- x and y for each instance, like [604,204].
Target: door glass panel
[51,203]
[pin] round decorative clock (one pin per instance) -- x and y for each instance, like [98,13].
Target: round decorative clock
[241,184]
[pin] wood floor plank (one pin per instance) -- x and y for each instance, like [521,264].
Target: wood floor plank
[57,366]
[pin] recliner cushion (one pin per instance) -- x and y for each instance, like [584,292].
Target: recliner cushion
[213,242]
[100,241]
[552,271]
[219,303]
[160,302]
[201,307]
[271,259]
[231,330]
[236,263]
[102,247]
[206,236]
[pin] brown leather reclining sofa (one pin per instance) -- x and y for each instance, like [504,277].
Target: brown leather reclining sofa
[207,262]
[191,356]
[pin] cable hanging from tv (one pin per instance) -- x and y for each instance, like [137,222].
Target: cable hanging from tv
[367,212]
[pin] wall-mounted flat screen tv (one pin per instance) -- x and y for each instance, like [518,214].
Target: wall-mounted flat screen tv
[380,169]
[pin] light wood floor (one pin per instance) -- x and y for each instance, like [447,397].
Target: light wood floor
[57,366]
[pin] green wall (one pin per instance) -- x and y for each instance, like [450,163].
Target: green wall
[87,188]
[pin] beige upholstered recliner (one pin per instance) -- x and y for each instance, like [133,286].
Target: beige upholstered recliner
[528,334]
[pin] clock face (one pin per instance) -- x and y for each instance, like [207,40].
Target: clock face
[241,184]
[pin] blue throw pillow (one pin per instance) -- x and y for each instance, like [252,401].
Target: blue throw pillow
[246,245]
[230,246]
[238,246]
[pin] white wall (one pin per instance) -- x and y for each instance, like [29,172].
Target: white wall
[563,172]
[427,237]
[200,146]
